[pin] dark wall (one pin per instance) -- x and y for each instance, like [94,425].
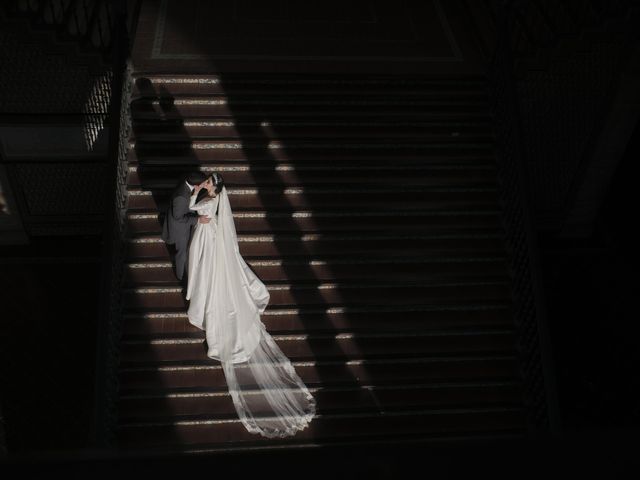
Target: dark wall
[590,290]
[49,292]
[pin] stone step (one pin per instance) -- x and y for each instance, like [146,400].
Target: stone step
[178,86]
[325,320]
[313,125]
[460,196]
[164,176]
[485,265]
[317,98]
[166,92]
[366,157]
[342,346]
[364,110]
[206,375]
[210,95]
[153,248]
[330,427]
[311,97]
[168,132]
[391,222]
[307,170]
[325,80]
[209,405]
[449,146]
[339,294]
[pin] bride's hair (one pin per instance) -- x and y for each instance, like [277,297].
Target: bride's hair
[218,181]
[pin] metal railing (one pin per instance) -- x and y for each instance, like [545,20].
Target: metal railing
[533,341]
[103,28]
[91,23]
[110,321]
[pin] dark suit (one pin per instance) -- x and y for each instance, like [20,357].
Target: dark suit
[177,225]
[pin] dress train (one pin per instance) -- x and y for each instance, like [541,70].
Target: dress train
[226,300]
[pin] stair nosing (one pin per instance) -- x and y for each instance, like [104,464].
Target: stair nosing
[317,261]
[306,213]
[239,189]
[209,365]
[326,285]
[378,414]
[224,392]
[282,167]
[344,335]
[248,238]
[277,311]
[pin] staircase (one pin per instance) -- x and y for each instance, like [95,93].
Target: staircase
[369,207]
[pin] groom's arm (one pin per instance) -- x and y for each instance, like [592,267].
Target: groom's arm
[181,213]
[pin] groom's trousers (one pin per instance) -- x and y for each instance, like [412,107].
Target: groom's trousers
[182,255]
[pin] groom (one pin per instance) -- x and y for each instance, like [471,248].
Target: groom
[179,220]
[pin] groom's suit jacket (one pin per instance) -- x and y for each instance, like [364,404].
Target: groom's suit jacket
[179,219]
[177,225]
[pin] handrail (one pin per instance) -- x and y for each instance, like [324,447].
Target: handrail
[110,315]
[534,343]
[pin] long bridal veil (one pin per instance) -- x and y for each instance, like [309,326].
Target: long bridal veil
[269,396]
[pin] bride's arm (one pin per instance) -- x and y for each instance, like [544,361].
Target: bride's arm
[201,205]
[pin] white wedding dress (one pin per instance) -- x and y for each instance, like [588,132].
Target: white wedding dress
[226,301]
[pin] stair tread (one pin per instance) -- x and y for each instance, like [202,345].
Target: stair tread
[149,351]
[212,90]
[201,135]
[336,320]
[366,398]
[277,157]
[366,425]
[300,247]
[223,112]
[207,375]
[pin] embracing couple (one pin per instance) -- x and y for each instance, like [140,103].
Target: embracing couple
[226,299]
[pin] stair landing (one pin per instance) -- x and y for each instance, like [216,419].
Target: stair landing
[365,36]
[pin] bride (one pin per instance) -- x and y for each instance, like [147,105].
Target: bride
[225,300]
